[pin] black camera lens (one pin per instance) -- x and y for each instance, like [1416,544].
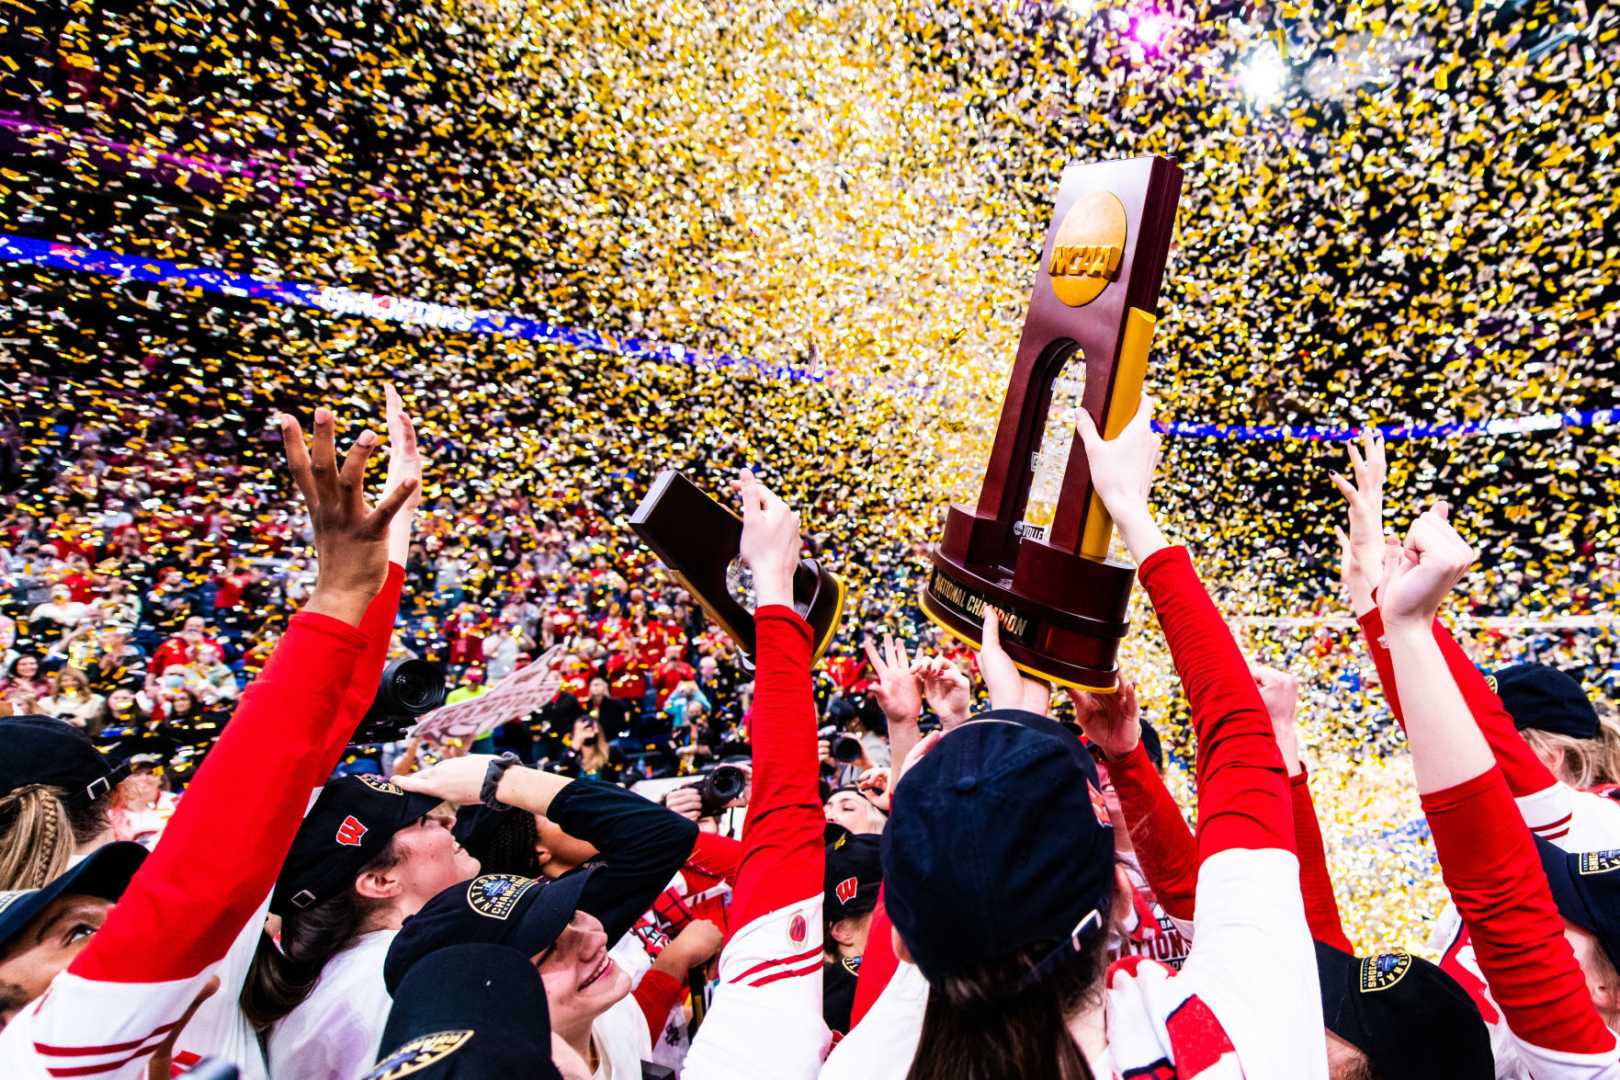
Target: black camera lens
[847,748]
[722,785]
[410,688]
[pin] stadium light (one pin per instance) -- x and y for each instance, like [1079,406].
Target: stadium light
[1263,76]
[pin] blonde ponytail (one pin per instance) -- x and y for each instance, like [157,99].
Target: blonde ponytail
[36,837]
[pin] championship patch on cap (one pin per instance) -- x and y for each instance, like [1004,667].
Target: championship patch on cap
[1599,862]
[847,889]
[1383,971]
[418,1054]
[9,898]
[350,831]
[378,784]
[495,895]
[1490,681]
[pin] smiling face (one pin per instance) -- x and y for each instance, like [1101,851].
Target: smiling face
[429,860]
[582,982]
[45,948]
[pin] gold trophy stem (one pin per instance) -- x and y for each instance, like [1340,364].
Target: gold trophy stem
[1123,401]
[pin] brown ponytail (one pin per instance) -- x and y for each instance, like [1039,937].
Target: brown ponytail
[279,979]
[987,1025]
[36,837]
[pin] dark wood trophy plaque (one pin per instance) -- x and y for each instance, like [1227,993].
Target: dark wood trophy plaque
[1036,545]
[698,539]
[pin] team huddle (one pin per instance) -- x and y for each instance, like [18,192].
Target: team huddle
[1012,897]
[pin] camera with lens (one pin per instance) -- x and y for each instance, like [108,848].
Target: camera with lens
[408,690]
[844,746]
[719,787]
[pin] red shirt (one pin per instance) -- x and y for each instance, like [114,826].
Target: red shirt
[671,674]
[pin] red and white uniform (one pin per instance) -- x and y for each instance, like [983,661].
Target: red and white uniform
[1503,940]
[196,907]
[1246,1002]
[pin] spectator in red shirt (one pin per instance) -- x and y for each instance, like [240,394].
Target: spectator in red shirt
[671,673]
[193,644]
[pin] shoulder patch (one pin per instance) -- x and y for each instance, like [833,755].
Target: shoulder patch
[1600,862]
[798,929]
[378,784]
[495,895]
[1383,971]
[418,1054]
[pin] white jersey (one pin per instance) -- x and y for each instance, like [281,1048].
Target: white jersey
[621,1040]
[334,1033]
[41,1043]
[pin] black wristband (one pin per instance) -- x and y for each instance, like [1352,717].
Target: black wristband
[492,780]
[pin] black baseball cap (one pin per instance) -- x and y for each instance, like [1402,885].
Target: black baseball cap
[526,914]
[45,750]
[468,1012]
[1544,698]
[1586,888]
[1410,1018]
[350,824]
[854,874]
[973,868]
[105,872]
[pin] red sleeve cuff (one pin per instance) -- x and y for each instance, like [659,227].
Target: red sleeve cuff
[784,613]
[1459,794]
[1176,554]
[315,622]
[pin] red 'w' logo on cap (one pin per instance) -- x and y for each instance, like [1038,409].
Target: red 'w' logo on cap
[350,832]
[846,890]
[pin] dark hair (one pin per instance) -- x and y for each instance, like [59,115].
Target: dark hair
[986,1024]
[279,979]
[506,846]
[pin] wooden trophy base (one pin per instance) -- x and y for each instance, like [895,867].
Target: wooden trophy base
[1038,599]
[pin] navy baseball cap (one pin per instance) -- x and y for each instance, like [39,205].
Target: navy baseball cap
[854,874]
[48,751]
[351,823]
[526,914]
[974,868]
[105,872]
[1586,888]
[1544,698]
[468,1012]
[1410,1018]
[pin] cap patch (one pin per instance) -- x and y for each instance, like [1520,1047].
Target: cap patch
[418,1054]
[495,895]
[798,930]
[847,889]
[350,832]
[378,784]
[1490,681]
[1383,971]
[1600,862]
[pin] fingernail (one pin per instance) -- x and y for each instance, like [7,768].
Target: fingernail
[367,438]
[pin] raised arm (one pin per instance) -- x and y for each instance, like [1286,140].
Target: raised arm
[1487,856]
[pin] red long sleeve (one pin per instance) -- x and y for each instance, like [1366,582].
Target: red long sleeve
[1523,771]
[221,852]
[377,627]
[878,963]
[1164,844]
[1490,864]
[716,856]
[783,855]
[657,993]
[1315,884]
[1243,799]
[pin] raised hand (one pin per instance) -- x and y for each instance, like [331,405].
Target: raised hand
[770,541]
[898,690]
[404,463]
[1280,692]
[1112,721]
[874,784]
[1006,685]
[1122,471]
[458,781]
[1363,494]
[1431,562]
[946,688]
[351,538]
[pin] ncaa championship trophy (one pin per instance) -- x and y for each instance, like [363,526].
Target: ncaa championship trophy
[1036,545]
[698,540]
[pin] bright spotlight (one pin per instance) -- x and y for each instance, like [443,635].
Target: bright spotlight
[1151,28]
[1263,76]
